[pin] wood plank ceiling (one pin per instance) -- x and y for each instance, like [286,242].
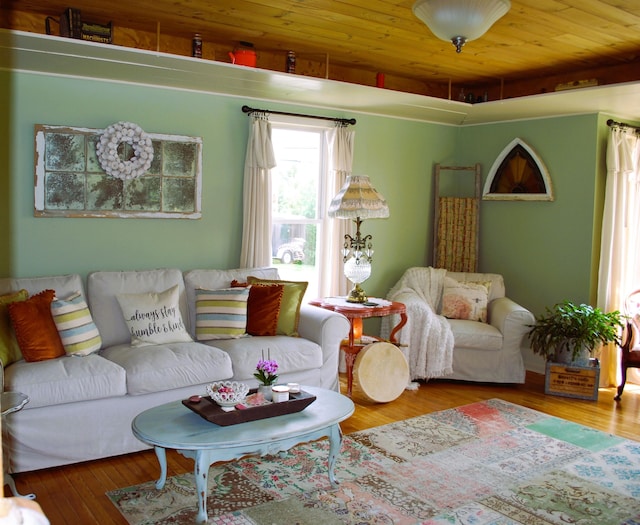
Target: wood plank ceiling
[538,46]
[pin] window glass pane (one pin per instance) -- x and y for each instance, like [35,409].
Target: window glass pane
[295,258]
[295,178]
[295,203]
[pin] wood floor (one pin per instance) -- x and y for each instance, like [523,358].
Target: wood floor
[76,494]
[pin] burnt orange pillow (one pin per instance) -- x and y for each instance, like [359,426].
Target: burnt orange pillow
[35,329]
[263,307]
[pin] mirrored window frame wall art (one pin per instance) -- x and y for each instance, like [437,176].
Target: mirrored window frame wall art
[69,181]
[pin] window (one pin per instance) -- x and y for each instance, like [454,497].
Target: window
[298,203]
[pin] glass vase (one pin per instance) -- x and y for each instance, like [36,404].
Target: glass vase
[266,391]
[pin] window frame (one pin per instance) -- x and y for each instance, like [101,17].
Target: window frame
[322,220]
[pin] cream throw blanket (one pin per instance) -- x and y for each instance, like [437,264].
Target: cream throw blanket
[428,336]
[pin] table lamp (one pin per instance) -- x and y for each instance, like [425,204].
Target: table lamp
[358,200]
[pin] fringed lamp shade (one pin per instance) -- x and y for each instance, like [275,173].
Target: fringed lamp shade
[357,198]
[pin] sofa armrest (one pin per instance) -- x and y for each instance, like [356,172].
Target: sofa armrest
[327,329]
[511,319]
[324,327]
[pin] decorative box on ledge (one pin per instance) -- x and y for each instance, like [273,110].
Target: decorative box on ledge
[580,382]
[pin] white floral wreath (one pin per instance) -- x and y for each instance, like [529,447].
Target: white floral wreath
[107,150]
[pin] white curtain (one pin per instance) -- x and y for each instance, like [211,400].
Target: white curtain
[256,214]
[332,281]
[619,272]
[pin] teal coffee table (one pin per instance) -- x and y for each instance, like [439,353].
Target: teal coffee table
[175,426]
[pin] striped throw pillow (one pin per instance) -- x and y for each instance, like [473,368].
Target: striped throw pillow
[78,332]
[221,314]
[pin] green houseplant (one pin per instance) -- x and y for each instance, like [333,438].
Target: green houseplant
[570,333]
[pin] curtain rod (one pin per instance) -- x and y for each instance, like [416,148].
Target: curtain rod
[346,121]
[612,123]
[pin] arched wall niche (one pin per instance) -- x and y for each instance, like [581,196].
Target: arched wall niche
[518,173]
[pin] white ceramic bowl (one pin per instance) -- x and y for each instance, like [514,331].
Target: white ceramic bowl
[228,393]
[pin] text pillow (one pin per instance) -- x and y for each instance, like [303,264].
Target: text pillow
[221,314]
[35,330]
[465,300]
[78,332]
[9,348]
[153,318]
[290,306]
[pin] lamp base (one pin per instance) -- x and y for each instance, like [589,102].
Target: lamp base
[357,295]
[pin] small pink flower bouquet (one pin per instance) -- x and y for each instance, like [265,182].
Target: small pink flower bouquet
[266,370]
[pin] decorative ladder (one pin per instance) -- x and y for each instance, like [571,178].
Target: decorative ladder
[457,224]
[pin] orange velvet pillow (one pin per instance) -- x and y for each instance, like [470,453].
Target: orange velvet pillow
[35,329]
[263,307]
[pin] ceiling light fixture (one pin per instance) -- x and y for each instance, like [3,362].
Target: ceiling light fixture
[459,21]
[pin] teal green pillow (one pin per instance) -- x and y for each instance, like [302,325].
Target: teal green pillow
[292,296]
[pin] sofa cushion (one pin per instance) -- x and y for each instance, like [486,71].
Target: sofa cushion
[35,330]
[465,300]
[293,354]
[214,280]
[221,314]
[66,380]
[473,334]
[9,348]
[289,316]
[78,332]
[158,368]
[153,317]
[102,288]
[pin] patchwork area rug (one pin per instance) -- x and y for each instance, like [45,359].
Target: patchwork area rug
[487,463]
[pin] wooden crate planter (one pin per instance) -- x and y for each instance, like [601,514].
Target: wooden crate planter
[580,382]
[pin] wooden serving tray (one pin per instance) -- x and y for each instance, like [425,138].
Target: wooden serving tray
[211,411]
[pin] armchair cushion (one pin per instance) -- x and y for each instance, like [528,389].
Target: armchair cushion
[474,334]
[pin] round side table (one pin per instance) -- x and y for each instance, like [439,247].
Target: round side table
[355,312]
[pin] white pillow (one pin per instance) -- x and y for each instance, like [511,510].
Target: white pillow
[75,325]
[153,318]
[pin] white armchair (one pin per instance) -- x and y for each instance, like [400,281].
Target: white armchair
[471,350]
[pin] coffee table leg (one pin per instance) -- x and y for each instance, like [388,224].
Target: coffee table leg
[202,463]
[335,442]
[161,454]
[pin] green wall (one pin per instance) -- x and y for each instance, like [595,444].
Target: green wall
[542,248]
[396,154]
[547,251]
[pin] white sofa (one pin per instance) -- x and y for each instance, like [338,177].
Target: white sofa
[488,351]
[81,408]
